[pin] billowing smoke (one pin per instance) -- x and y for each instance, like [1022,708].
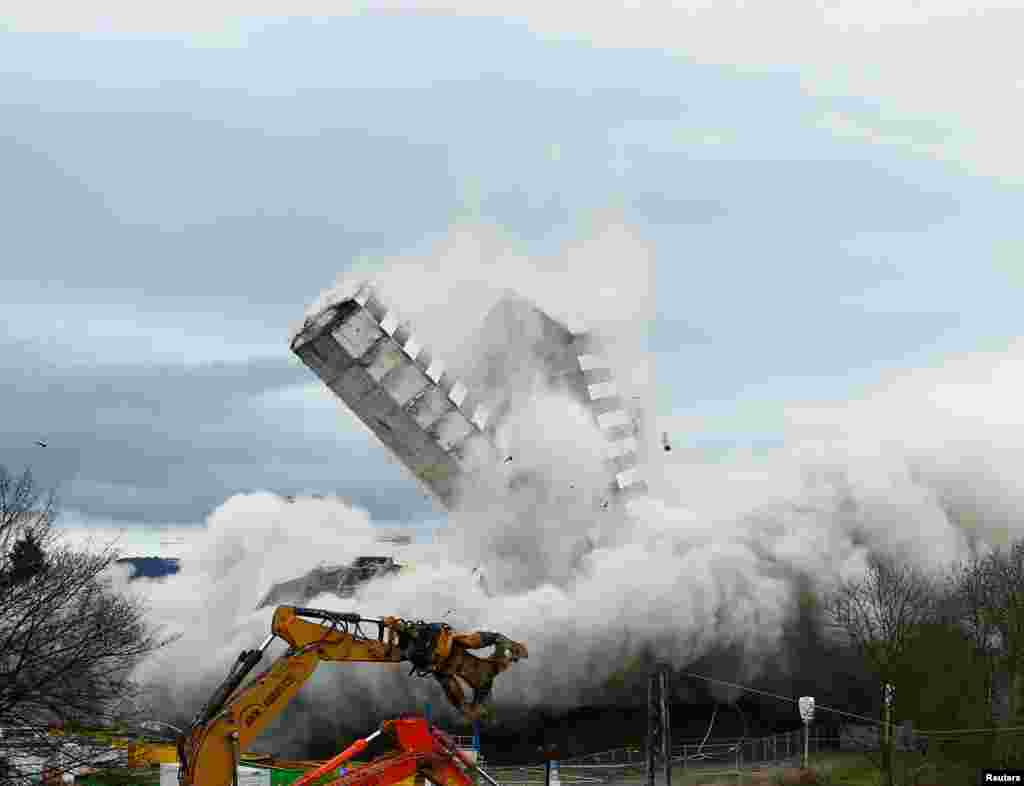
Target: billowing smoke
[711,560]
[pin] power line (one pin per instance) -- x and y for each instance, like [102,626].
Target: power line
[993,730]
[782,698]
[848,714]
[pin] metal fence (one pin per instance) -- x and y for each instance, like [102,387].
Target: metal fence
[774,748]
[720,757]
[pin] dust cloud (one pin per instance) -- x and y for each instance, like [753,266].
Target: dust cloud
[711,559]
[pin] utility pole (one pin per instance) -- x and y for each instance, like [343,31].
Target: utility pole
[653,727]
[659,727]
[666,729]
[889,695]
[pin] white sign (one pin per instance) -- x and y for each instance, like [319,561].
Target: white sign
[807,708]
[169,774]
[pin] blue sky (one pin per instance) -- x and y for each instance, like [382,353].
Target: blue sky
[825,212]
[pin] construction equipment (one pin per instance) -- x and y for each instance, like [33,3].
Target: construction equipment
[211,749]
[425,752]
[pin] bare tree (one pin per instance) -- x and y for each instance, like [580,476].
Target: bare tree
[880,614]
[25,515]
[970,593]
[69,641]
[999,580]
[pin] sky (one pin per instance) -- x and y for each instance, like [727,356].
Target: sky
[829,196]
[798,222]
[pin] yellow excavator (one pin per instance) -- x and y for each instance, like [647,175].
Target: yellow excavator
[210,750]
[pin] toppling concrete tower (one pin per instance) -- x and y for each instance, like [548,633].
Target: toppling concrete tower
[395,386]
[519,351]
[441,426]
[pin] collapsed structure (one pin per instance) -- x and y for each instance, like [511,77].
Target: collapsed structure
[443,426]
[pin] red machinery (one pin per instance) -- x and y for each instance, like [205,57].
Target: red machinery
[423,750]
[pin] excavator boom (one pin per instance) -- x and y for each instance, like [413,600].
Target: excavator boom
[211,749]
[422,750]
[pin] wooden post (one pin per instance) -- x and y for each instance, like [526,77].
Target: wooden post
[666,728]
[652,726]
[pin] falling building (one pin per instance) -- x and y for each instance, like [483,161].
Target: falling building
[442,425]
[519,350]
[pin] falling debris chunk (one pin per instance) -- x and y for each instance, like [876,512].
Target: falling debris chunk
[604,505]
[40,443]
[664,441]
[508,459]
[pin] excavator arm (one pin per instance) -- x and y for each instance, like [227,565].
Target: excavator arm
[211,749]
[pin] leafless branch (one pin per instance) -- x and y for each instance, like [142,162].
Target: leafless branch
[68,641]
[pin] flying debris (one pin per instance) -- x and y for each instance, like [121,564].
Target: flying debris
[40,443]
[342,581]
[508,459]
[664,441]
[480,579]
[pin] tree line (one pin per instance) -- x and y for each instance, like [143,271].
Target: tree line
[946,650]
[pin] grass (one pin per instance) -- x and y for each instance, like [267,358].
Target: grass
[827,769]
[909,769]
[121,776]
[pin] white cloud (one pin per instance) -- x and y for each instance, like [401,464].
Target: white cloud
[849,127]
[957,428]
[959,64]
[91,533]
[115,332]
[976,396]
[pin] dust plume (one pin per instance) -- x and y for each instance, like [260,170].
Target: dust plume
[711,560]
